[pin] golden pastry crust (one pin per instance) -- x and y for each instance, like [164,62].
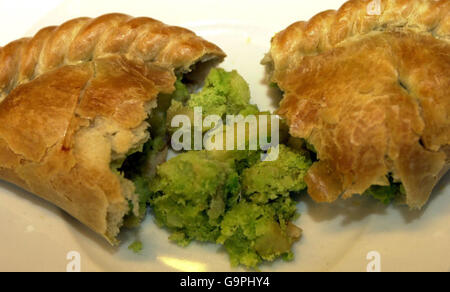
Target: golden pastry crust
[371,93]
[76,97]
[84,39]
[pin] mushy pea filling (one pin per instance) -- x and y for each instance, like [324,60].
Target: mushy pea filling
[214,196]
[140,165]
[385,194]
[230,198]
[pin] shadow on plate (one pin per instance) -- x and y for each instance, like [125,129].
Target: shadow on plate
[359,208]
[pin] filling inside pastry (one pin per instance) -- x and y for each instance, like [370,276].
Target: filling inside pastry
[384,193]
[140,165]
[387,194]
[227,197]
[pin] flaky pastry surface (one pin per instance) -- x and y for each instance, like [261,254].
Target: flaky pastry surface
[371,93]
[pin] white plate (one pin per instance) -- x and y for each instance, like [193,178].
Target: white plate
[37,236]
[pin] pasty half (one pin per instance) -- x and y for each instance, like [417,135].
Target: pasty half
[371,94]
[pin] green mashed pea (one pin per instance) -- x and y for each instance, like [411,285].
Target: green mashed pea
[224,93]
[268,180]
[190,194]
[201,196]
[231,198]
